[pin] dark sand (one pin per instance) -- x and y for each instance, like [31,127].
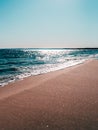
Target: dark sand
[60,100]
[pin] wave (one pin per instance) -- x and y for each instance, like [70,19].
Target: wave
[16,64]
[8,69]
[31,71]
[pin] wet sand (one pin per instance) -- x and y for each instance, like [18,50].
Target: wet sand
[61,100]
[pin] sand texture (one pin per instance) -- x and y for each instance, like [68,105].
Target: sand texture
[61,100]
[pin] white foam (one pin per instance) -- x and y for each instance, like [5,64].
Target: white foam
[41,69]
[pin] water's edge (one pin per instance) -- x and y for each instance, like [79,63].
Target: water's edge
[23,78]
[17,64]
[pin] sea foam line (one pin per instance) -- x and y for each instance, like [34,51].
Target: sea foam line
[42,71]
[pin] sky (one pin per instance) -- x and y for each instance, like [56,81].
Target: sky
[48,23]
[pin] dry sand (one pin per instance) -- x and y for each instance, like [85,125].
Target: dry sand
[61,100]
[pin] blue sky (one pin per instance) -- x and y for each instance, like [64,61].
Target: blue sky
[48,23]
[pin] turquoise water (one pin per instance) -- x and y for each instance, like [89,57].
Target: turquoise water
[15,64]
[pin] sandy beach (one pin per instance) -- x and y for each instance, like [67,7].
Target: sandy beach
[62,100]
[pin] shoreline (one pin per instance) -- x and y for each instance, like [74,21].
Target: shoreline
[12,85]
[66,99]
[15,81]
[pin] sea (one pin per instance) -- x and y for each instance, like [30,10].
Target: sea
[18,63]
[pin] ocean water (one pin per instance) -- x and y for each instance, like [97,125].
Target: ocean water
[16,64]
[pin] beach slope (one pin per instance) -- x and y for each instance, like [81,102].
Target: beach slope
[61,100]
